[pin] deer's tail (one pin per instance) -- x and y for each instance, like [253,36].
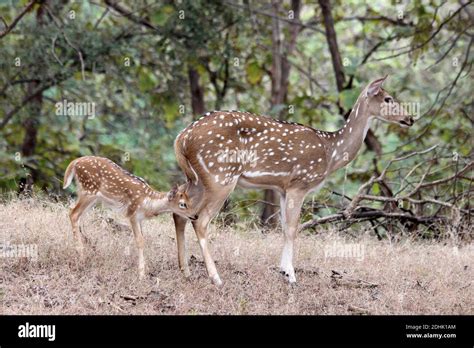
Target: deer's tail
[69,174]
[183,161]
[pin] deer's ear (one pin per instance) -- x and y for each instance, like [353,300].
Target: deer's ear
[375,87]
[172,193]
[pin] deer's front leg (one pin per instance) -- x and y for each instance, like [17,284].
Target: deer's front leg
[180,225]
[291,209]
[140,241]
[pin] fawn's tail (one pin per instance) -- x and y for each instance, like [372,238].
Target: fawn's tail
[69,174]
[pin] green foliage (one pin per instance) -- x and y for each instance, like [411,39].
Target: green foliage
[137,78]
[254,72]
[348,97]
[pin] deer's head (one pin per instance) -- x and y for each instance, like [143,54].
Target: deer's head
[180,203]
[385,107]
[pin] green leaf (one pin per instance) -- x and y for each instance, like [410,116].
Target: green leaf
[254,72]
[376,189]
[170,112]
[161,16]
[146,79]
[348,98]
[276,109]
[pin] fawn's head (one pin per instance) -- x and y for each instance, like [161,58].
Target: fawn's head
[385,107]
[179,202]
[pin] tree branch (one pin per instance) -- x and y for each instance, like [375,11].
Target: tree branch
[9,28]
[25,101]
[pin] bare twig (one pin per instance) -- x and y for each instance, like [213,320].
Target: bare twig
[25,101]
[355,213]
[282,19]
[66,38]
[53,43]
[101,18]
[435,32]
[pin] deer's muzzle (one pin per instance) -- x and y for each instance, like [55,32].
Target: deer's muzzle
[193,218]
[407,121]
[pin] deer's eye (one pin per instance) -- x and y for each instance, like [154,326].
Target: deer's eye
[388,100]
[182,205]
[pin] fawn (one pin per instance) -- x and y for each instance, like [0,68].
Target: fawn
[99,179]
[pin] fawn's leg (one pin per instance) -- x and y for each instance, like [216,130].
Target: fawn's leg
[83,204]
[180,225]
[140,241]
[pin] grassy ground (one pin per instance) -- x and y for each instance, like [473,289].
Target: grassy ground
[372,277]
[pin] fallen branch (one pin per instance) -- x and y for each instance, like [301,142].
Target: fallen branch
[372,215]
[420,194]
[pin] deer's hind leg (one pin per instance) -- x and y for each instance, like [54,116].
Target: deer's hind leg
[82,205]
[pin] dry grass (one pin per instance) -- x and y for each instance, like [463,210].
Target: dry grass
[406,278]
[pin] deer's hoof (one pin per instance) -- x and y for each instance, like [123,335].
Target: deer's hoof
[290,276]
[216,280]
[186,272]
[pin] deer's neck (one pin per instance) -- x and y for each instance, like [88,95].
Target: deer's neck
[345,145]
[155,203]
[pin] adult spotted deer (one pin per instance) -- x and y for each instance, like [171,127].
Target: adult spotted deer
[99,179]
[228,148]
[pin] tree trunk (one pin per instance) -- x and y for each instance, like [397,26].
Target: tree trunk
[280,72]
[30,126]
[28,146]
[371,140]
[332,43]
[197,95]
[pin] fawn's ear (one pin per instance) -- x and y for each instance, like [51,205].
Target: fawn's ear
[172,193]
[375,87]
